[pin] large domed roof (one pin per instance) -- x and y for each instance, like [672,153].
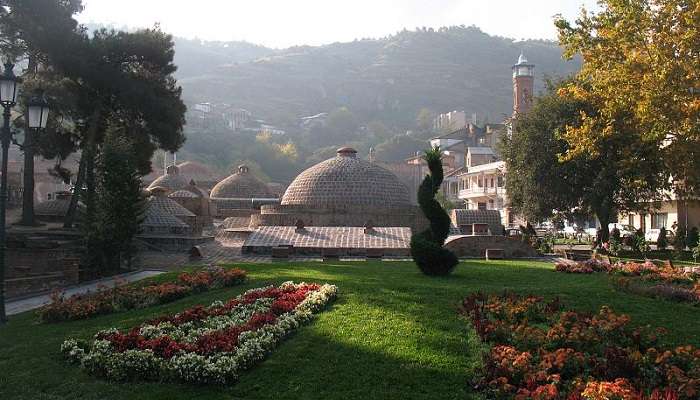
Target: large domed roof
[346,181]
[241,185]
[172,180]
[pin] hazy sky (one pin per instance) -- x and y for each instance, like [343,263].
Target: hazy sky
[282,23]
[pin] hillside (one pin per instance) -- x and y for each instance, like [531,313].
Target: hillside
[388,79]
[374,87]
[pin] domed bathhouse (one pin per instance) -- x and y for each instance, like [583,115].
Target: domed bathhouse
[171,181]
[343,191]
[195,200]
[344,206]
[240,195]
[205,177]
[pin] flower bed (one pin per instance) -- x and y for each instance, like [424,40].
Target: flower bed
[203,344]
[645,279]
[539,351]
[122,297]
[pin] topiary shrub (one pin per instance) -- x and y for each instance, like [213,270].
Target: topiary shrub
[426,246]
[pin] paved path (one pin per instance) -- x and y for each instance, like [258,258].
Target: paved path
[31,303]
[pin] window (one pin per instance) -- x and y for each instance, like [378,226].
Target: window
[491,182]
[630,220]
[659,221]
[500,181]
[482,206]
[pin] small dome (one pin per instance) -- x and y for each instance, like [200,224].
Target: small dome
[346,181]
[183,194]
[241,185]
[197,171]
[156,218]
[172,180]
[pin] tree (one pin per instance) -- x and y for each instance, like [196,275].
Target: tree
[424,120]
[427,246]
[547,175]
[119,205]
[641,70]
[56,17]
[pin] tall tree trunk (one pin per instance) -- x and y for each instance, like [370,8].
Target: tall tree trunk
[79,182]
[604,218]
[86,159]
[28,179]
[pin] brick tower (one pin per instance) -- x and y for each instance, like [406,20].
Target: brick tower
[523,85]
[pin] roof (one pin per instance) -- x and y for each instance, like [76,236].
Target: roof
[156,217]
[480,150]
[456,172]
[346,180]
[330,237]
[172,180]
[241,185]
[196,170]
[467,217]
[182,194]
[170,206]
[497,165]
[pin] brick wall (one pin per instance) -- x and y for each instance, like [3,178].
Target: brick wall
[475,246]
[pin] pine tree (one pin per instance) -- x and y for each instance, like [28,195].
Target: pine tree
[427,246]
[119,205]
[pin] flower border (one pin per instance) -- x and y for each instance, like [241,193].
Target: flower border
[102,358]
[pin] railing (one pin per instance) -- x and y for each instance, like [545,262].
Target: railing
[480,191]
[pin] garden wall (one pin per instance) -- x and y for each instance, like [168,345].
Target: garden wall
[475,246]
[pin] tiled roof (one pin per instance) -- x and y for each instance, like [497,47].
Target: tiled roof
[170,206]
[182,194]
[159,218]
[468,217]
[330,237]
[241,184]
[346,180]
[172,180]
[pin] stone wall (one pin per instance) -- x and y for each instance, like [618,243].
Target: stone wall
[31,270]
[286,215]
[475,246]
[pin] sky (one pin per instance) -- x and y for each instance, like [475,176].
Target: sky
[284,23]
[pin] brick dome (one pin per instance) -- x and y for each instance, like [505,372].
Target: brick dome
[172,180]
[241,185]
[346,181]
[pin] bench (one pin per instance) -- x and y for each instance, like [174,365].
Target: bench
[578,255]
[495,254]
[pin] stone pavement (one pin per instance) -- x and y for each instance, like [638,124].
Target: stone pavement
[30,303]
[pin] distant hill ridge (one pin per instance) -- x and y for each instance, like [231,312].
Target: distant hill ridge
[387,79]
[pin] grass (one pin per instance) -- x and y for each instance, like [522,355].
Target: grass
[392,334]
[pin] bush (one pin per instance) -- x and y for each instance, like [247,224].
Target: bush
[693,237]
[427,246]
[679,240]
[662,240]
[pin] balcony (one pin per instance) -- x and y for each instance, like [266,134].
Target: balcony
[481,192]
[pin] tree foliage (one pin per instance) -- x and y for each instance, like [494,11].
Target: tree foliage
[427,246]
[119,205]
[546,174]
[640,67]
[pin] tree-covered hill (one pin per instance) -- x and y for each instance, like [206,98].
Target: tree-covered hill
[387,79]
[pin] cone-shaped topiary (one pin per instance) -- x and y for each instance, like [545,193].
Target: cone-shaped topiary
[426,246]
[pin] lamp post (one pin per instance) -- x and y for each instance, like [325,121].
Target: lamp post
[8,99]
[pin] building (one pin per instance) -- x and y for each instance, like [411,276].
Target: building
[240,194]
[343,191]
[171,180]
[671,214]
[450,121]
[523,85]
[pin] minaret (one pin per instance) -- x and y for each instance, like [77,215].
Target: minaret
[523,85]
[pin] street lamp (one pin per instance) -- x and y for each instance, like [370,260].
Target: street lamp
[37,111]
[8,99]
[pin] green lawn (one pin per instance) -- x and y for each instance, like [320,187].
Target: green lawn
[392,334]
